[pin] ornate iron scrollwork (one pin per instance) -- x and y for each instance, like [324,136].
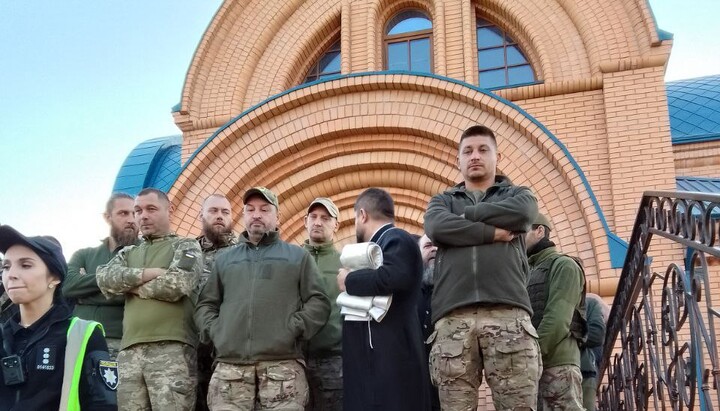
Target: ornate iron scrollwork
[662,353]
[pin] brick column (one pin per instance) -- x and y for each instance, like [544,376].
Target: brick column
[638,138]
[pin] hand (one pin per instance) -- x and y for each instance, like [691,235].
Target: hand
[152,273]
[342,275]
[503,236]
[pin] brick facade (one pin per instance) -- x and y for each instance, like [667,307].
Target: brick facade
[589,137]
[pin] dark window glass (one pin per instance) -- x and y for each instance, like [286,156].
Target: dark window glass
[328,65]
[408,42]
[501,63]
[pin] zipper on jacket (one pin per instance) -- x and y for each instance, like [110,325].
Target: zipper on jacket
[254,251]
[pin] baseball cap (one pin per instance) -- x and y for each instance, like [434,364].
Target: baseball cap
[46,247]
[327,203]
[265,193]
[542,220]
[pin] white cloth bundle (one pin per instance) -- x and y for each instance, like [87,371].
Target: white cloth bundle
[361,255]
[354,308]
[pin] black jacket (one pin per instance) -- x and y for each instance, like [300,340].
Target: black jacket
[42,349]
[392,373]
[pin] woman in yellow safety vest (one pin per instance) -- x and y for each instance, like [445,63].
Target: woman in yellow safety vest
[49,359]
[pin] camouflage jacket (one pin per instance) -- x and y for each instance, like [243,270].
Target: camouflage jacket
[209,251]
[118,277]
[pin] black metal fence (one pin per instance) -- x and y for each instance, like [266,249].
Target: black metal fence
[661,351]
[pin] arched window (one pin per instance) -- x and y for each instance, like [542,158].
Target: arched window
[501,63]
[408,42]
[328,65]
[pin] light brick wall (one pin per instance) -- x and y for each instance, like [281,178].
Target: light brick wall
[698,159]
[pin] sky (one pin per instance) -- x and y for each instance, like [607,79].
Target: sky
[84,82]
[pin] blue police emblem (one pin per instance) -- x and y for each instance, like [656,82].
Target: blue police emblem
[109,373]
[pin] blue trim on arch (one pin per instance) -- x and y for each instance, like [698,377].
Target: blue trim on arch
[617,247]
[152,163]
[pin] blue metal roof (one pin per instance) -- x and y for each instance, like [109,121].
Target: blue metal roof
[699,184]
[153,163]
[694,106]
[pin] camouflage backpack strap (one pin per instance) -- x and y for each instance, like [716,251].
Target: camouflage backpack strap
[578,325]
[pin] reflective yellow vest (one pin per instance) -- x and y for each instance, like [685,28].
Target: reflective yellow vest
[78,335]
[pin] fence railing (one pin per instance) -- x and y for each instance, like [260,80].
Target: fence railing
[661,351]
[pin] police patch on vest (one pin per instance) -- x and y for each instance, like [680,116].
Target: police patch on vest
[46,358]
[109,373]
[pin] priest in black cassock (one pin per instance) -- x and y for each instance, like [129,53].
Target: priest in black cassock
[384,366]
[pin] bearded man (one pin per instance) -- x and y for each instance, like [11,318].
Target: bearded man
[80,285]
[216,217]
[217,231]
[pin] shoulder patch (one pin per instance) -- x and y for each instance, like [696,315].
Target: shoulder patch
[108,373]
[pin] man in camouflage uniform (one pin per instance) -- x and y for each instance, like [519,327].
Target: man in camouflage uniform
[557,294]
[216,217]
[262,302]
[81,283]
[480,305]
[325,348]
[157,359]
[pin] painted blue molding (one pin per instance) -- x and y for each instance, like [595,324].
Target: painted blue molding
[618,247]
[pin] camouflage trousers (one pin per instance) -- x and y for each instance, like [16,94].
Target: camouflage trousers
[276,385]
[113,345]
[498,341]
[325,378]
[157,376]
[561,388]
[589,391]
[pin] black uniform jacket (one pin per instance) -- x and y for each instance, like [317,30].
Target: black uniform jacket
[42,350]
[384,364]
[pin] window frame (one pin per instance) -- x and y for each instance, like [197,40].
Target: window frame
[407,38]
[507,41]
[315,68]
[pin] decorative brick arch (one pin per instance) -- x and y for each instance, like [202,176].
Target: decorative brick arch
[253,48]
[294,49]
[396,131]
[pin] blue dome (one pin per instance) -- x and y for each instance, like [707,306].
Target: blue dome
[694,106]
[153,163]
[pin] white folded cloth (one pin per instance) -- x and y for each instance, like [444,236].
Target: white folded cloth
[354,308]
[361,255]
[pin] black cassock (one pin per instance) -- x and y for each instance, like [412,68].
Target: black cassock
[384,365]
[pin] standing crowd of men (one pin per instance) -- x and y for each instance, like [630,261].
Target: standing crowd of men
[247,321]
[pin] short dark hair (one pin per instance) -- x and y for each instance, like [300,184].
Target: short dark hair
[546,231]
[214,195]
[416,238]
[478,130]
[377,202]
[150,190]
[110,205]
